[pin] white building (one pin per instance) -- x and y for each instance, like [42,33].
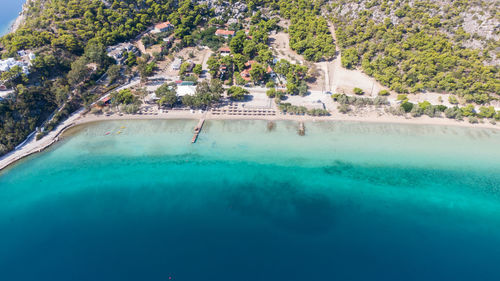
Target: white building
[176,65]
[8,64]
[183,90]
[116,52]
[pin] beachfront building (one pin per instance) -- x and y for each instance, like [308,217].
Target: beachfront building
[163,27]
[183,90]
[224,33]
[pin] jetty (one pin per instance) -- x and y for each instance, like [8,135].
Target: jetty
[197,130]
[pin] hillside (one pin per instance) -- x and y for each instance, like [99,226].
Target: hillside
[70,39]
[415,46]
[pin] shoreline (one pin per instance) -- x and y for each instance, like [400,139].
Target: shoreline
[15,24]
[33,146]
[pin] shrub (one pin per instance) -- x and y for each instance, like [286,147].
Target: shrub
[453,113]
[473,120]
[486,112]
[407,106]
[468,110]
[280,95]
[396,110]
[380,101]
[453,100]
[271,92]
[424,105]
[432,111]
[416,111]
[441,107]
[270,84]
[384,93]
[402,97]
[344,108]
[358,91]
[318,112]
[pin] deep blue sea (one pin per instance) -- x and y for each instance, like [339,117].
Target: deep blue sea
[135,200]
[8,13]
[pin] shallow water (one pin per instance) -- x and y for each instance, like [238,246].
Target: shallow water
[349,201]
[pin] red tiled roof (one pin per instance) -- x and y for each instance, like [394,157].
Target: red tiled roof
[250,63]
[163,25]
[245,74]
[224,32]
[224,49]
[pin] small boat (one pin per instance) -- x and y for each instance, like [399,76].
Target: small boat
[108,133]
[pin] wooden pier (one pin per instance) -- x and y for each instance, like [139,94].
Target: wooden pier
[197,130]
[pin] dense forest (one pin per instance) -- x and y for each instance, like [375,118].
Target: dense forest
[415,46]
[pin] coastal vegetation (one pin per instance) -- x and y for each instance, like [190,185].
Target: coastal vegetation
[207,94]
[412,46]
[237,93]
[288,108]
[70,40]
[408,46]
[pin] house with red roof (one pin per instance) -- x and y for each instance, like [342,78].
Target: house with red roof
[164,26]
[225,51]
[245,74]
[224,33]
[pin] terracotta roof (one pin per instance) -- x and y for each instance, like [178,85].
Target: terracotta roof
[225,49]
[269,69]
[250,63]
[224,32]
[245,74]
[163,25]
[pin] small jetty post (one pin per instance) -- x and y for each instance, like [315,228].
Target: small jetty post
[197,130]
[270,125]
[302,129]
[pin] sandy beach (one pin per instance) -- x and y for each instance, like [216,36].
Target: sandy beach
[32,145]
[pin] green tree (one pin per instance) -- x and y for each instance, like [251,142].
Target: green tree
[197,69]
[79,72]
[238,42]
[169,99]
[257,73]
[350,58]
[384,93]
[237,93]
[486,112]
[358,91]
[113,73]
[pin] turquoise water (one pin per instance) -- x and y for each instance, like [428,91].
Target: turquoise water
[8,13]
[348,201]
